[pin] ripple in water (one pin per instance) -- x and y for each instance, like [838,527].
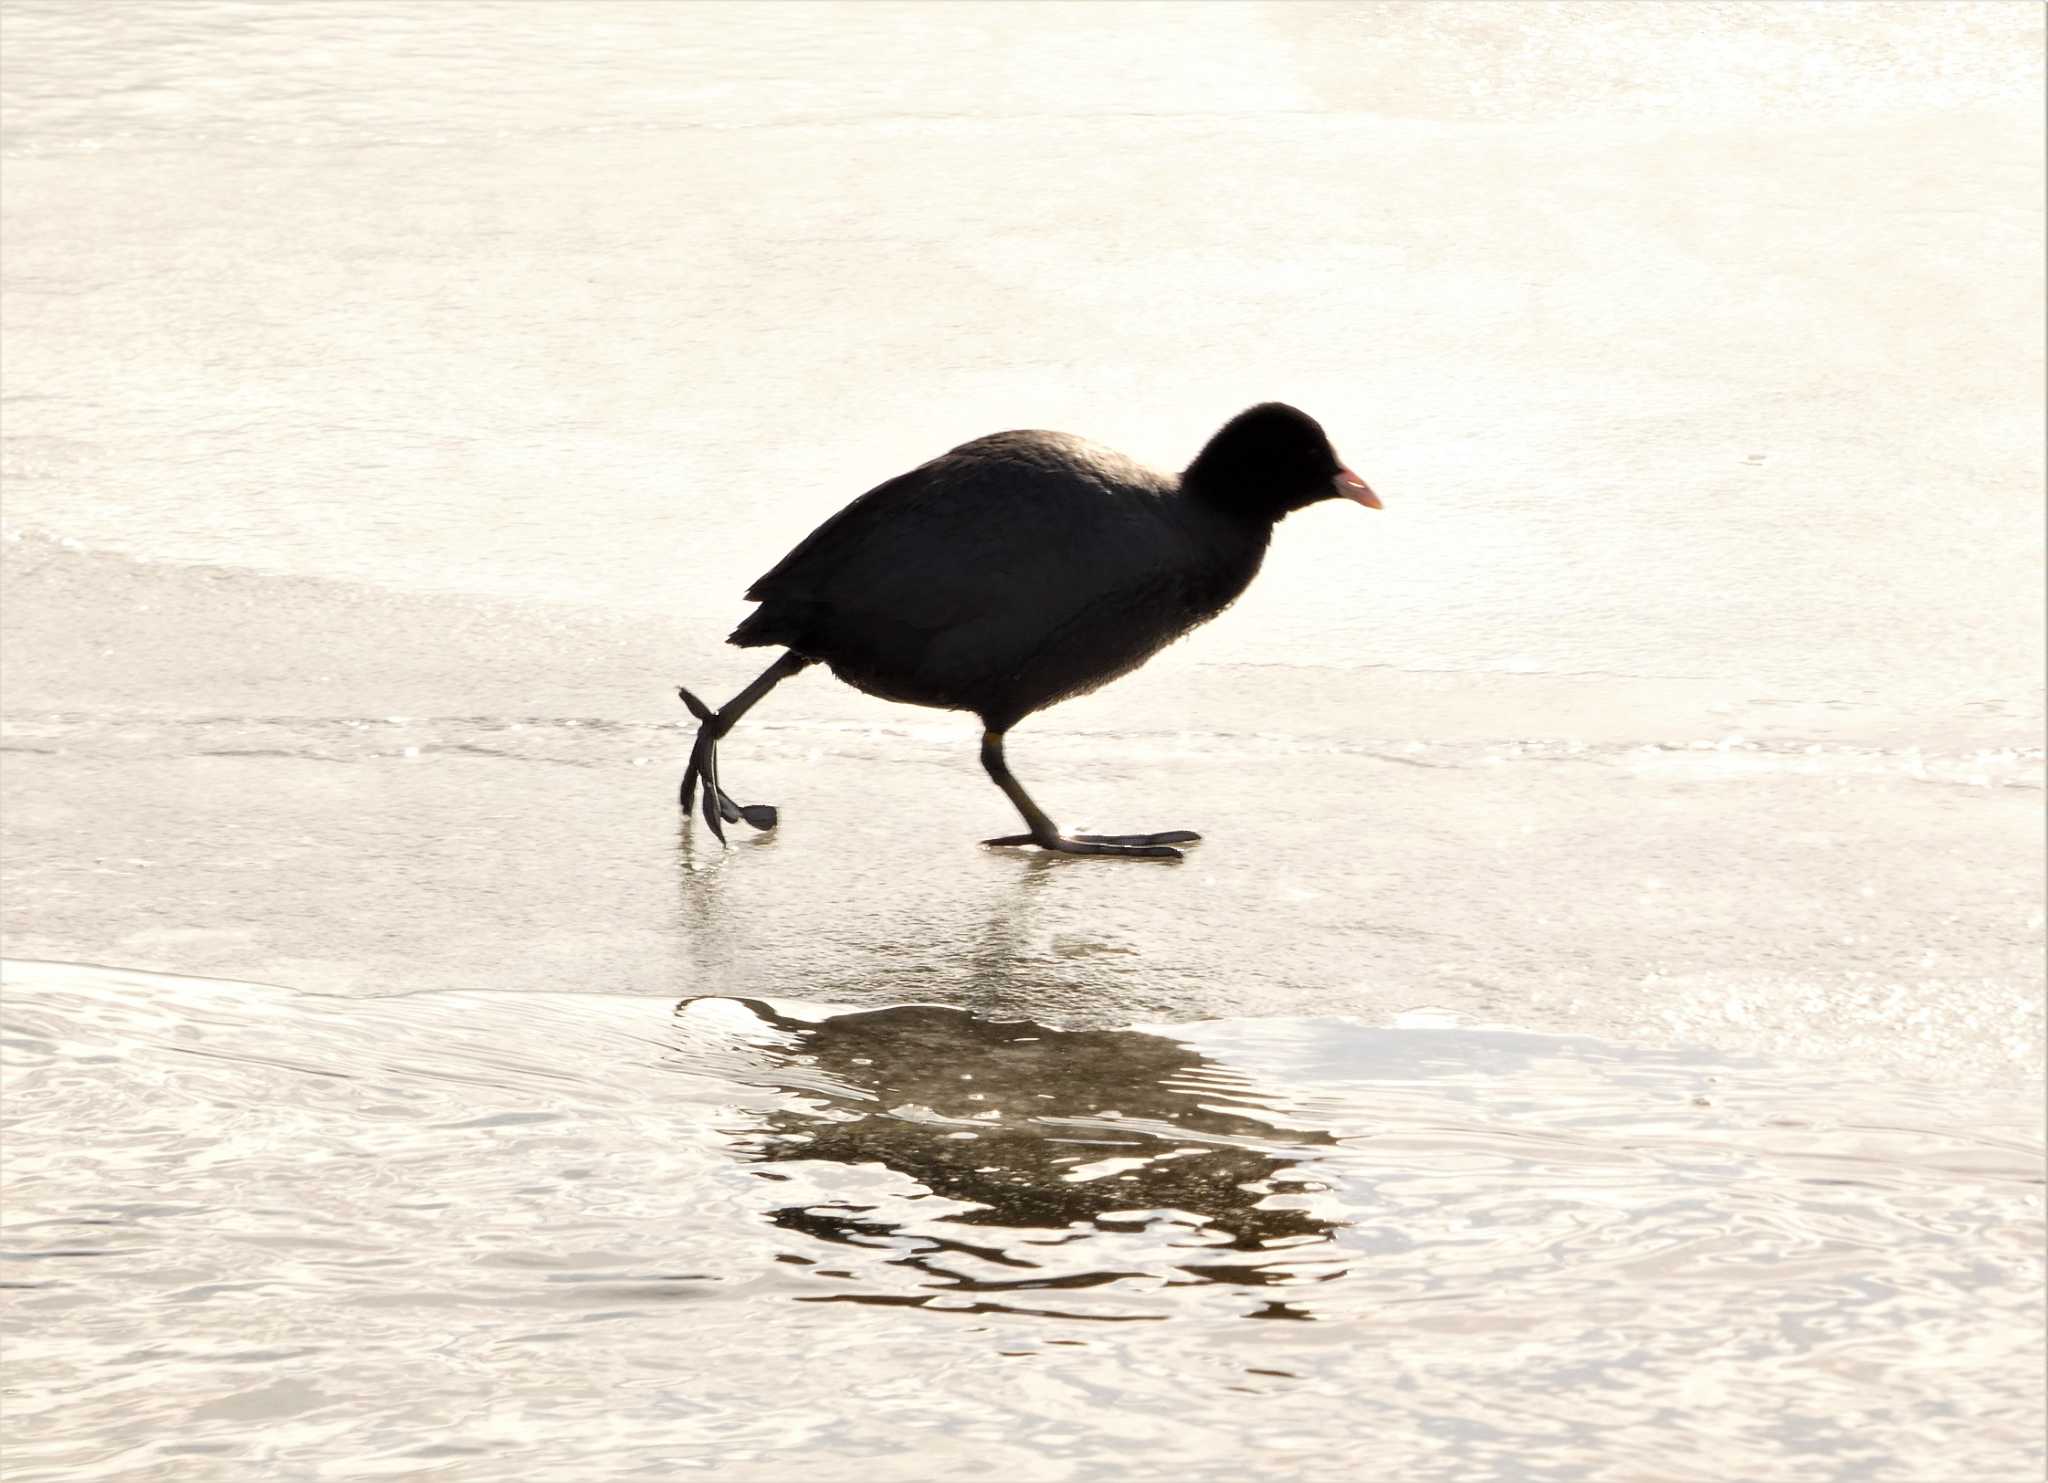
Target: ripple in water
[251,1231]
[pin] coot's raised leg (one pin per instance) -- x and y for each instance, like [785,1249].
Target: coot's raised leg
[1046,835]
[718,805]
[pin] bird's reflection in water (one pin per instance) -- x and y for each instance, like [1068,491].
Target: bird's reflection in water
[1059,1159]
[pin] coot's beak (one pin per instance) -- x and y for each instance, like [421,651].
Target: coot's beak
[1351,486]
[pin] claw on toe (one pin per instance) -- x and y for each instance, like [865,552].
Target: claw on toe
[705,761]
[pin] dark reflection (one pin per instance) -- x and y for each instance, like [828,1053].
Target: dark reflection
[1017,1122]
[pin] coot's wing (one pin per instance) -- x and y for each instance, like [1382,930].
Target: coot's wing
[1015,532]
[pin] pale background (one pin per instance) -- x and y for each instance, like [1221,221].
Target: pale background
[398,398]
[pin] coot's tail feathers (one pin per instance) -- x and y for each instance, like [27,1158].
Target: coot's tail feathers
[751,635]
[777,623]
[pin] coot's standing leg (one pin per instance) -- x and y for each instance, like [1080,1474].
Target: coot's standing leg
[704,756]
[1046,835]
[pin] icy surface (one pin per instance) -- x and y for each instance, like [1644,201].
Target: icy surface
[397,400]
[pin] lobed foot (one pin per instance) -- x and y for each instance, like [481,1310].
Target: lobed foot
[719,808]
[1133,846]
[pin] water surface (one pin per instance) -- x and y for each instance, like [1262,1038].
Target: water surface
[590,1233]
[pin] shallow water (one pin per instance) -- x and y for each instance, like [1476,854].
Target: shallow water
[757,1239]
[1599,1037]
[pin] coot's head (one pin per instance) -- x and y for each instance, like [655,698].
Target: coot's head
[1271,460]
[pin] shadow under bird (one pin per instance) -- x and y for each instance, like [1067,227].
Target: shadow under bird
[1019,570]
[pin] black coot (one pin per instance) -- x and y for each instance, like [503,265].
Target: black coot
[1018,570]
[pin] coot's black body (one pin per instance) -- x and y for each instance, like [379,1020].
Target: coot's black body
[1015,571]
[1021,569]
